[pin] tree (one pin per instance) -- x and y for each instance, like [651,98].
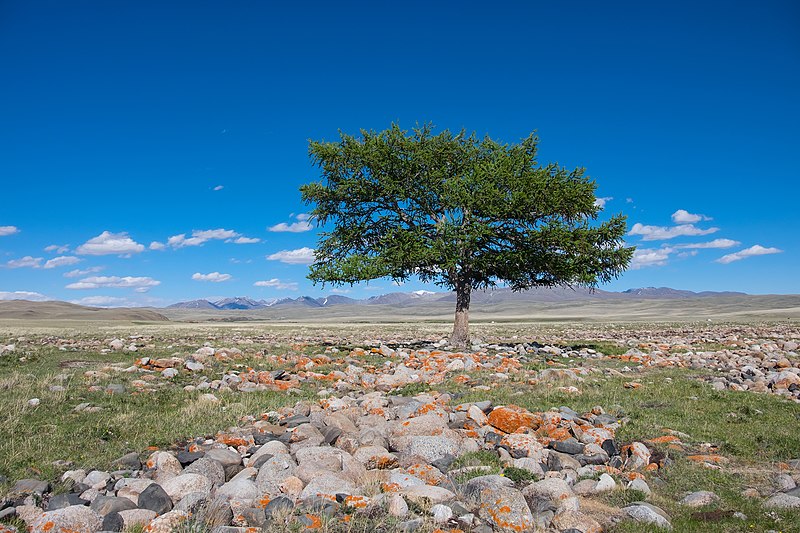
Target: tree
[462,212]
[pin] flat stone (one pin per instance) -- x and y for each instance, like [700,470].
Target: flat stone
[430,493]
[575,521]
[782,501]
[73,518]
[641,512]
[224,456]
[61,501]
[699,499]
[104,505]
[30,486]
[179,486]
[134,517]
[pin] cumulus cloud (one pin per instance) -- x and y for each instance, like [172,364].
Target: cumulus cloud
[300,256]
[24,295]
[275,283]
[102,301]
[716,243]
[78,273]
[219,187]
[300,226]
[682,216]
[644,257]
[246,240]
[747,252]
[660,233]
[26,262]
[139,284]
[63,260]
[8,230]
[199,237]
[57,248]
[108,243]
[214,277]
[601,202]
[155,245]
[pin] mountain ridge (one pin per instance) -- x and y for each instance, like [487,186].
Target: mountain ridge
[498,295]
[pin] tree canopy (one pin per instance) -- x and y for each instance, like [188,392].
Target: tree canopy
[457,210]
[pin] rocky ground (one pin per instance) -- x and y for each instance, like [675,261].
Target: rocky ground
[569,431]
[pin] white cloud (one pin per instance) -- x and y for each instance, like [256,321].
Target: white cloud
[214,277]
[601,202]
[27,261]
[219,187]
[108,243]
[300,256]
[78,273]
[24,295]
[245,240]
[659,233]
[644,257]
[63,260]
[628,200]
[140,284]
[102,301]
[682,216]
[155,245]
[300,226]
[341,291]
[8,230]
[716,243]
[57,248]
[199,237]
[275,283]
[747,252]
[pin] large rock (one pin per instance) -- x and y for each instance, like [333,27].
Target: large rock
[155,498]
[76,518]
[328,485]
[178,487]
[510,418]
[576,521]
[205,466]
[648,514]
[273,472]
[782,501]
[506,509]
[551,488]
[429,448]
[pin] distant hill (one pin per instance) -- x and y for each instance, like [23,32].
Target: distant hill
[489,297]
[666,292]
[23,309]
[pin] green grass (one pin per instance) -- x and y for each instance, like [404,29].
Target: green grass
[754,430]
[35,437]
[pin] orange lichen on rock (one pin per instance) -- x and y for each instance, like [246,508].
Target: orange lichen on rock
[510,417]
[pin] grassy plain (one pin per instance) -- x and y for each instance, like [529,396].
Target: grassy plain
[755,432]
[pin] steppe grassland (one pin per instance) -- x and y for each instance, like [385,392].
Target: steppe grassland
[755,431]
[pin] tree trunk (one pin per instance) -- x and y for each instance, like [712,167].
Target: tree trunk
[460,337]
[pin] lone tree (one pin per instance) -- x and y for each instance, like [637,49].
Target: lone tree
[462,212]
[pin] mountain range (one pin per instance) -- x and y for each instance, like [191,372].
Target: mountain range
[498,295]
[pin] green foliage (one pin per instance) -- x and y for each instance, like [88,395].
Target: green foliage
[459,211]
[518,475]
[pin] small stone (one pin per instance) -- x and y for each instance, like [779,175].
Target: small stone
[397,506]
[699,499]
[278,506]
[441,513]
[606,483]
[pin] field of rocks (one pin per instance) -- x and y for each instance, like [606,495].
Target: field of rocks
[551,428]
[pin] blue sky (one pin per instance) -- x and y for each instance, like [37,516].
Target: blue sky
[126,124]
